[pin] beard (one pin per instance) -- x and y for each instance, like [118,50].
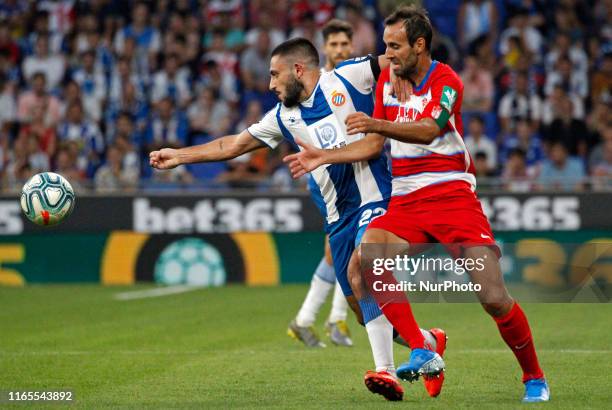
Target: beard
[405,71]
[293,92]
[408,69]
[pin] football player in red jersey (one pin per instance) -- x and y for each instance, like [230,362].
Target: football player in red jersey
[433,195]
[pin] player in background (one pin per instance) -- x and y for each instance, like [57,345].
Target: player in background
[433,192]
[338,47]
[314,107]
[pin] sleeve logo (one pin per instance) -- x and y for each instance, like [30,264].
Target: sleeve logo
[449,96]
[326,134]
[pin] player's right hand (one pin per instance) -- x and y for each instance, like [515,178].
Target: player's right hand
[165,158]
[308,159]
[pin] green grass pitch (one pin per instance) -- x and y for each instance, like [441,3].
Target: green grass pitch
[227,348]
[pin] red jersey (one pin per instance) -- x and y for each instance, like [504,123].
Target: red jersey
[446,158]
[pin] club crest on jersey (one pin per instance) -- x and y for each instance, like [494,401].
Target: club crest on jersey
[326,134]
[338,99]
[436,111]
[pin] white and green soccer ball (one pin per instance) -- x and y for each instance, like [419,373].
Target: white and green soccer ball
[47,199]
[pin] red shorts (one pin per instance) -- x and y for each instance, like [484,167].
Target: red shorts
[447,213]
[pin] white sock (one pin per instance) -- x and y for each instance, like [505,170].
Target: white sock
[319,289]
[380,334]
[339,305]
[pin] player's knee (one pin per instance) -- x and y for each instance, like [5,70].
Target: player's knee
[355,278]
[498,309]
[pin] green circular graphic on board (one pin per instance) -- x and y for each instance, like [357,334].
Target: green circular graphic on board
[190,261]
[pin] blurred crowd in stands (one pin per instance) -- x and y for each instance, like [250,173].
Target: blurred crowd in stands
[88,88]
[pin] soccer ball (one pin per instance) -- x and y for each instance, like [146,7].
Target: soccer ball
[47,198]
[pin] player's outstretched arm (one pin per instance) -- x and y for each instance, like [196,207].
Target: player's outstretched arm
[419,132]
[221,149]
[311,157]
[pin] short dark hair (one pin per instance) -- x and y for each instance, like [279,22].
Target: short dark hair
[334,26]
[298,47]
[478,118]
[416,23]
[517,152]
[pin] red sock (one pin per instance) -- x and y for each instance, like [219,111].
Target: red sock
[396,307]
[401,317]
[515,331]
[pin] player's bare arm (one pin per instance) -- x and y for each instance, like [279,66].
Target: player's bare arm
[419,132]
[311,157]
[221,149]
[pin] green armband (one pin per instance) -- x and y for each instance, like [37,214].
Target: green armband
[442,118]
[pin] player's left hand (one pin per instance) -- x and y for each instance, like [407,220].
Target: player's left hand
[401,88]
[308,159]
[360,122]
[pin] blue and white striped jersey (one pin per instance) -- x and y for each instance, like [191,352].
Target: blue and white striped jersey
[338,189]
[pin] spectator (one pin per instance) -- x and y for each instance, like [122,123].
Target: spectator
[481,165]
[37,158]
[597,154]
[86,134]
[516,174]
[227,62]
[265,24]
[207,114]
[9,71]
[525,140]
[51,65]
[478,88]
[235,37]
[556,103]
[574,84]
[112,176]
[561,172]
[562,47]
[443,49]
[8,108]
[18,168]
[92,82]
[8,46]
[520,104]
[168,126]
[255,65]
[570,131]
[120,77]
[66,163]
[364,36]
[130,103]
[476,141]
[145,36]
[307,28]
[172,82]
[528,37]
[41,28]
[601,81]
[476,18]
[40,130]
[223,86]
[602,169]
[38,95]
